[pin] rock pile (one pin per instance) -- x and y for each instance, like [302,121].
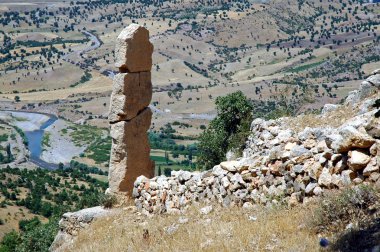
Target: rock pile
[72,223]
[130,116]
[279,164]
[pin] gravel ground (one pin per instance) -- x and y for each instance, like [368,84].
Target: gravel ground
[62,149]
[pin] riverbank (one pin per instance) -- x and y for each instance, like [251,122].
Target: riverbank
[24,120]
[47,146]
[60,147]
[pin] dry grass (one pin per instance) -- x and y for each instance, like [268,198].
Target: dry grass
[221,230]
[333,119]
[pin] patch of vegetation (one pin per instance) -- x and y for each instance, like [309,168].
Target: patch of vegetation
[84,134]
[33,43]
[272,109]
[108,201]
[8,156]
[46,139]
[228,131]
[35,238]
[100,150]
[164,141]
[353,214]
[23,136]
[304,67]
[3,138]
[49,194]
[85,78]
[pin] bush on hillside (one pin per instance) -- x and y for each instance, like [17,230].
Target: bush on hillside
[229,130]
[38,238]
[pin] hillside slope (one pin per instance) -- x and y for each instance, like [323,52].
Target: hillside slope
[287,165]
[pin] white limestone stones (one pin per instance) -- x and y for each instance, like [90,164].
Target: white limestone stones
[130,115]
[134,50]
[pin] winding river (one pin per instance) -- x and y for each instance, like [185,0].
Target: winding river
[35,144]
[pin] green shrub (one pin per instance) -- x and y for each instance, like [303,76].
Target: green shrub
[38,238]
[229,130]
[9,242]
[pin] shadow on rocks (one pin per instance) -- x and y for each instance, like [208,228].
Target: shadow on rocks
[366,239]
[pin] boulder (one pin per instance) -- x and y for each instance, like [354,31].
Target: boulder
[374,80]
[358,160]
[366,89]
[310,187]
[325,178]
[71,224]
[350,138]
[371,168]
[314,169]
[347,177]
[219,171]
[206,210]
[231,166]
[373,128]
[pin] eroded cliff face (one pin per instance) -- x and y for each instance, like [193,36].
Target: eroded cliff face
[281,162]
[129,116]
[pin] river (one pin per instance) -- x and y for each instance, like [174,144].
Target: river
[35,144]
[33,125]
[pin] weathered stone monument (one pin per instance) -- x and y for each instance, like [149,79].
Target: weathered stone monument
[130,116]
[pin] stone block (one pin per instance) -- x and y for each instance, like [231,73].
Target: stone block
[130,153]
[131,93]
[134,50]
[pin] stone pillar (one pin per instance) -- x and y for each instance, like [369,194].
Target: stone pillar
[129,115]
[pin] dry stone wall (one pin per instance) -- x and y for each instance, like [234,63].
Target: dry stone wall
[129,115]
[279,164]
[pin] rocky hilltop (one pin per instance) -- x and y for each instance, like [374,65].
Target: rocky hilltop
[284,162]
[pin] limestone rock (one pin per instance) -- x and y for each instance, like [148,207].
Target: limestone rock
[206,210]
[366,89]
[374,80]
[325,178]
[219,171]
[328,108]
[231,166]
[132,93]
[347,177]
[351,138]
[318,191]
[130,152]
[310,187]
[358,160]
[371,167]
[133,50]
[373,128]
[129,115]
[71,224]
